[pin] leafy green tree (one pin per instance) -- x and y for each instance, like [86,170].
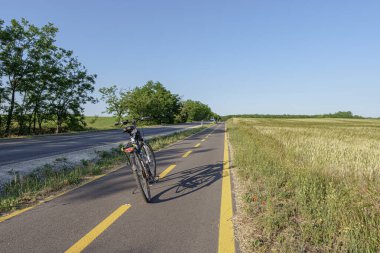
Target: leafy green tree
[39,81]
[15,42]
[41,76]
[2,90]
[152,100]
[3,107]
[115,103]
[195,111]
[72,88]
[21,44]
[216,117]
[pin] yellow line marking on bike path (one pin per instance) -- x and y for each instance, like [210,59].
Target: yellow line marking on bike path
[203,140]
[166,171]
[98,230]
[197,145]
[226,229]
[15,213]
[187,154]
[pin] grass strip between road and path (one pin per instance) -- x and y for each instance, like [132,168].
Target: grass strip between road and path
[306,185]
[44,183]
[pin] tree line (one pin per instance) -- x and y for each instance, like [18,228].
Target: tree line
[154,101]
[340,114]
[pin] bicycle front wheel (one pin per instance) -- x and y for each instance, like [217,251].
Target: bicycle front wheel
[141,179]
[150,157]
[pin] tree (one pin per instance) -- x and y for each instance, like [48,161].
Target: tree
[216,117]
[3,96]
[41,76]
[115,103]
[72,88]
[152,100]
[15,41]
[38,81]
[21,45]
[2,90]
[195,111]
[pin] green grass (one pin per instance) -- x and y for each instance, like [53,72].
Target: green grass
[92,123]
[308,185]
[45,181]
[100,123]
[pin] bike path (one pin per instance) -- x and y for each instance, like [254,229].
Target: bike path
[183,216]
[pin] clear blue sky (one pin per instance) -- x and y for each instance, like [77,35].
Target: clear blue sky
[294,56]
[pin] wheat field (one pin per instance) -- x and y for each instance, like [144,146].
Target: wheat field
[307,184]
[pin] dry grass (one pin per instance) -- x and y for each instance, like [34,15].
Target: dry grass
[309,184]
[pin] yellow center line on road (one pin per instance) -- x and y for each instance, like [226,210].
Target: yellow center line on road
[203,140]
[166,171]
[197,145]
[187,154]
[226,229]
[99,229]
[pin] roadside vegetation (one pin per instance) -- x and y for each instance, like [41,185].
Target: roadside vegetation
[45,181]
[307,185]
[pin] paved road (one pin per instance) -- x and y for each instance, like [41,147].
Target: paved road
[19,150]
[108,215]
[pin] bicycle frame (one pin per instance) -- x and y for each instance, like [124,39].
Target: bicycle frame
[135,149]
[138,153]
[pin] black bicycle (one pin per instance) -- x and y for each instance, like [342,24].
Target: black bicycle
[141,158]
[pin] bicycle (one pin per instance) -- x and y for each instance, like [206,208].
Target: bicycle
[141,158]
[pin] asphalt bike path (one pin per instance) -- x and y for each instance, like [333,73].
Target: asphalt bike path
[110,215]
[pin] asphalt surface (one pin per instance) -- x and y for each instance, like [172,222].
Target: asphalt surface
[183,216]
[25,149]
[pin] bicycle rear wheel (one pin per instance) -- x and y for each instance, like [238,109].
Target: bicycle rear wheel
[141,179]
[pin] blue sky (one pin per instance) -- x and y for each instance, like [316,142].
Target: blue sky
[294,56]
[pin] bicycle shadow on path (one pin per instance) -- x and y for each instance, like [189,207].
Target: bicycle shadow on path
[187,182]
